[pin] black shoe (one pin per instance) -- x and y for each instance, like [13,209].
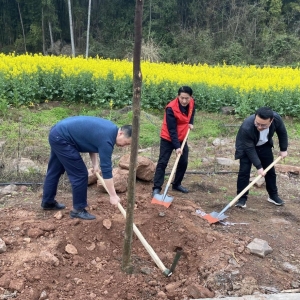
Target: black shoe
[180,188]
[275,200]
[82,214]
[52,206]
[241,203]
[155,192]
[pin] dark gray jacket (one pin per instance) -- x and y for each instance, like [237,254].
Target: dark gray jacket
[248,136]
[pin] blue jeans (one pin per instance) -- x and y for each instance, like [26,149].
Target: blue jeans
[266,157]
[65,157]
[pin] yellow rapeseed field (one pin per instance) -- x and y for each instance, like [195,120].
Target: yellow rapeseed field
[243,78]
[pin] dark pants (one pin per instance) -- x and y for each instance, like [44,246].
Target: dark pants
[65,157]
[165,151]
[266,157]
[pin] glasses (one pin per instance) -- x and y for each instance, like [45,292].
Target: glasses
[261,125]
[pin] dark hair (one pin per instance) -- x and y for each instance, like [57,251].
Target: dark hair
[185,89]
[265,113]
[127,130]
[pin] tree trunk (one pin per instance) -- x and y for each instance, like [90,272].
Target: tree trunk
[71,28]
[43,33]
[88,30]
[137,87]
[21,20]
[51,37]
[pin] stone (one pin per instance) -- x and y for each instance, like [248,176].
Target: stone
[145,167]
[71,249]
[48,257]
[2,246]
[16,285]
[259,247]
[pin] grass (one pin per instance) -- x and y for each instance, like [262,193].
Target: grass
[24,131]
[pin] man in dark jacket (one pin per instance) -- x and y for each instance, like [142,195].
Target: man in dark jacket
[254,145]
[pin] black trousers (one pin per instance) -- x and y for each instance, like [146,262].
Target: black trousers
[266,157]
[165,151]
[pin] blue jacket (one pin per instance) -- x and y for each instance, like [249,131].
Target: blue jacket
[91,134]
[248,136]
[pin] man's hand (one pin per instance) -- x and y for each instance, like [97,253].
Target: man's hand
[178,151]
[96,169]
[283,154]
[191,126]
[261,172]
[114,200]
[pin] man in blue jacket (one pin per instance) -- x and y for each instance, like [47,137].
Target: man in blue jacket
[75,135]
[254,145]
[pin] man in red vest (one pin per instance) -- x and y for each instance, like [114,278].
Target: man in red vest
[178,118]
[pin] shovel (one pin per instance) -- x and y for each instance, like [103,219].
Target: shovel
[164,199]
[215,217]
[149,249]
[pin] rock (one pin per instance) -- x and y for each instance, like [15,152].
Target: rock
[219,142]
[9,189]
[290,268]
[219,281]
[259,247]
[16,285]
[171,287]
[226,161]
[120,177]
[91,247]
[71,249]
[47,226]
[43,295]
[5,280]
[107,223]
[35,232]
[259,183]
[146,270]
[196,291]
[58,215]
[145,167]
[48,257]
[2,246]
[287,169]
[25,165]
[227,110]
[162,295]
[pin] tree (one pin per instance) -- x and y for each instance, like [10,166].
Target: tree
[71,28]
[137,88]
[21,20]
[88,30]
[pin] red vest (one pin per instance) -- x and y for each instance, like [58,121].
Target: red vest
[182,120]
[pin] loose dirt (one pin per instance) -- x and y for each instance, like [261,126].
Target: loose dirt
[215,259]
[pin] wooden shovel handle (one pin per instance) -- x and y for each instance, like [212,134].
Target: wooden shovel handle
[139,235]
[177,158]
[254,181]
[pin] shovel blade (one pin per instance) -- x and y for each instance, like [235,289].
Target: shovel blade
[161,200]
[214,217]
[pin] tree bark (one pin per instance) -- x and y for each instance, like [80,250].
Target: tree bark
[43,32]
[137,87]
[21,20]
[51,37]
[71,28]
[88,30]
